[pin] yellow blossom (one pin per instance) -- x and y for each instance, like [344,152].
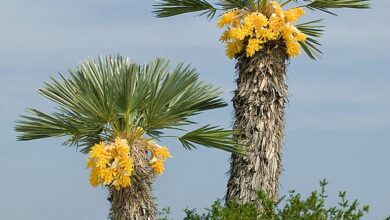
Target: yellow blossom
[162,153]
[251,30]
[121,147]
[94,178]
[276,23]
[293,49]
[107,175]
[110,164]
[266,34]
[253,46]
[121,182]
[121,143]
[299,36]
[239,33]
[292,15]
[277,9]
[227,19]
[158,166]
[91,163]
[97,150]
[255,20]
[225,37]
[101,162]
[233,48]
[157,157]
[287,32]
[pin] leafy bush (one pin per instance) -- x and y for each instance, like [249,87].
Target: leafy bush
[291,207]
[164,214]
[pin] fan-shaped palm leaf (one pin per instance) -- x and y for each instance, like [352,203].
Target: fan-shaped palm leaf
[108,97]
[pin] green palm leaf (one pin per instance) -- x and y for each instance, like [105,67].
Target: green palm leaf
[211,136]
[313,30]
[236,4]
[325,5]
[168,8]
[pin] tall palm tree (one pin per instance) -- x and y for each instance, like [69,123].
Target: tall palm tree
[262,38]
[117,110]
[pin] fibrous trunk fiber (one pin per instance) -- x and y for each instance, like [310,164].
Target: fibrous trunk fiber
[259,104]
[135,202]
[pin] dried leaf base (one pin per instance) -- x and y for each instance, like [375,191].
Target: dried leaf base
[259,104]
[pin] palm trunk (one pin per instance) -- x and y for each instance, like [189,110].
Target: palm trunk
[135,202]
[259,103]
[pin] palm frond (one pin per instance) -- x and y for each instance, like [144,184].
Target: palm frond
[326,5]
[177,96]
[314,30]
[168,8]
[211,136]
[236,4]
[286,2]
[40,125]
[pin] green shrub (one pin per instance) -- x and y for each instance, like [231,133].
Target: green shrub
[291,207]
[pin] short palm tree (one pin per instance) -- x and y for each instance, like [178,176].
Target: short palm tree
[117,110]
[262,37]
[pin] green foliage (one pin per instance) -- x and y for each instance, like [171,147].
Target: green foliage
[164,214]
[227,5]
[292,207]
[207,136]
[313,30]
[326,5]
[168,8]
[109,97]
[231,212]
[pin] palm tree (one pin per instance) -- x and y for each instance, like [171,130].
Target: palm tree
[116,110]
[262,38]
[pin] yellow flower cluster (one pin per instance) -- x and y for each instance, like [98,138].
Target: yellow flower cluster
[111,164]
[251,30]
[158,154]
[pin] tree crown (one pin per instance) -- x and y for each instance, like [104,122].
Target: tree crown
[314,29]
[111,97]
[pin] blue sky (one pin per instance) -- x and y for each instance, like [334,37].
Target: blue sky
[338,119]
